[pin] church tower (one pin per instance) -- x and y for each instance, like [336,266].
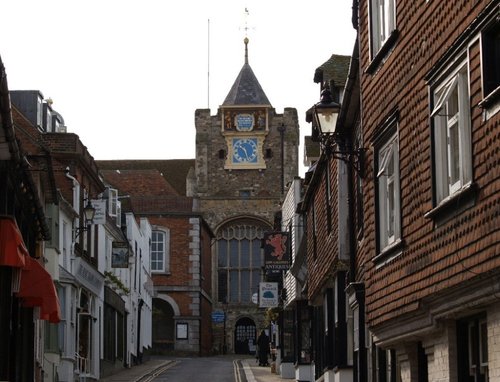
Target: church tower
[246,155]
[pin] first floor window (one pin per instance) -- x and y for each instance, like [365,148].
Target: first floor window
[451,133]
[388,193]
[159,251]
[382,22]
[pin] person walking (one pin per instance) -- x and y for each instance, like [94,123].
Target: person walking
[263,344]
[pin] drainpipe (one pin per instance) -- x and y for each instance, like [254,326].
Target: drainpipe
[73,241]
[139,310]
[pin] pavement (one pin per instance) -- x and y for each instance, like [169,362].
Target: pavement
[248,371]
[256,373]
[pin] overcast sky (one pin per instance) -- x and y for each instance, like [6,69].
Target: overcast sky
[128,75]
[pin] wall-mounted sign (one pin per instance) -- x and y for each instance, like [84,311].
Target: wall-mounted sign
[268,295]
[182,331]
[119,255]
[218,316]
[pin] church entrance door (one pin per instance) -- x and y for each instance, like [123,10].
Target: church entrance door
[244,336]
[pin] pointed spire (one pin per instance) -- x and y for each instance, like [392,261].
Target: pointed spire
[246,90]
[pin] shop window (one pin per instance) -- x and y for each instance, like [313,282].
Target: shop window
[472,337]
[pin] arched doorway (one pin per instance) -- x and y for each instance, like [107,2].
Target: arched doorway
[163,326]
[244,335]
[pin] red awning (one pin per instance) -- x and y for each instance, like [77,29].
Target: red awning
[12,248]
[37,289]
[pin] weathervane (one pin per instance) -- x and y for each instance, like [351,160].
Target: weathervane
[246,15]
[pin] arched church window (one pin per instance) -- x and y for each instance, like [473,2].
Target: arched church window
[239,260]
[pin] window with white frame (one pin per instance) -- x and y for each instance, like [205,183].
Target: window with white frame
[451,133]
[389,214]
[382,22]
[112,195]
[160,243]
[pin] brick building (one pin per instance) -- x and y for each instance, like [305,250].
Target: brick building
[328,229]
[430,243]
[180,250]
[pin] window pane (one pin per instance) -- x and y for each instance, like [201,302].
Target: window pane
[233,282]
[256,260]
[255,280]
[245,253]
[233,253]
[454,154]
[222,286]
[452,104]
[390,211]
[222,249]
[245,286]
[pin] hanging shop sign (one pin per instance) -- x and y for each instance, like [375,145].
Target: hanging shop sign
[119,255]
[268,295]
[276,253]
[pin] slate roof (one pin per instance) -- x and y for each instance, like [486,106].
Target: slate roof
[336,69]
[246,89]
[174,171]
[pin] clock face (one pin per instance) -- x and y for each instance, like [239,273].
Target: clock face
[245,150]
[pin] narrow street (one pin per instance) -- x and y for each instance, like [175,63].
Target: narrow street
[181,369]
[221,369]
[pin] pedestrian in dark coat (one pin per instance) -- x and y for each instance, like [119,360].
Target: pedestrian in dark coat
[263,344]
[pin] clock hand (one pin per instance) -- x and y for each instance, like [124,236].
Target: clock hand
[245,150]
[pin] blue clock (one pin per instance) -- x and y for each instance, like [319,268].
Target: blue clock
[245,150]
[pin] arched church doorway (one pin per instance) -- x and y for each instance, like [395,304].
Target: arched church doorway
[244,336]
[163,326]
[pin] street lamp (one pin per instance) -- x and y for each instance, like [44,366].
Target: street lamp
[89,211]
[88,216]
[325,115]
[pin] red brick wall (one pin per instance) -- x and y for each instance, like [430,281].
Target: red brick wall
[433,258]
[179,227]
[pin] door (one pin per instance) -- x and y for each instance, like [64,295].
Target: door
[244,336]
